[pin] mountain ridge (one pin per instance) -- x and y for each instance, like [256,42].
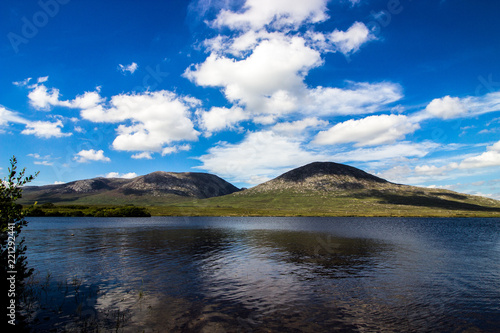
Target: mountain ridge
[315,189]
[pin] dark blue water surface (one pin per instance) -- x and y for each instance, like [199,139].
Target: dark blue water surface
[270,274]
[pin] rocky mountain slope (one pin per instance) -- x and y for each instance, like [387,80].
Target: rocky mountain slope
[316,189]
[332,188]
[158,184]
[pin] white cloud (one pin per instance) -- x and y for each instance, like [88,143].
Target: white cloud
[128,68]
[158,118]
[129,175]
[218,119]
[267,81]
[85,156]
[22,83]
[260,154]
[7,116]
[41,160]
[45,129]
[446,107]
[489,158]
[454,107]
[357,98]
[42,79]
[351,40]
[395,151]
[144,155]
[174,149]
[42,98]
[298,127]
[432,170]
[369,131]
[256,14]
[88,100]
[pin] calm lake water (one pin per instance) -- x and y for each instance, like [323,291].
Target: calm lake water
[265,274]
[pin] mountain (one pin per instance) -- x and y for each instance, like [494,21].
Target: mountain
[156,187]
[323,176]
[327,188]
[315,189]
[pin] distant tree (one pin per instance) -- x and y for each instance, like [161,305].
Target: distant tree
[14,268]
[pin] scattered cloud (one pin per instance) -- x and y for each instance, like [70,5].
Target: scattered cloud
[297,127]
[149,114]
[42,98]
[350,41]
[454,107]
[45,129]
[129,175]
[218,119]
[128,68]
[369,131]
[257,14]
[490,158]
[41,160]
[267,81]
[356,98]
[22,83]
[174,149]
[260,154]
[145,155]
[7,117]
[85,156]
[395,151]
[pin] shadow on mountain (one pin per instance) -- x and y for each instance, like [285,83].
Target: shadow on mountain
[424,201]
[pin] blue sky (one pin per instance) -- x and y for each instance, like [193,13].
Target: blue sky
[249,89]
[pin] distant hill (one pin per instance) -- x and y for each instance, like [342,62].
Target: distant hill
[316,189]
[156,187]
[332,189]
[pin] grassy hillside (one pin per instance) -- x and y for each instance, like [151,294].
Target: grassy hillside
[286,203]
[316,189]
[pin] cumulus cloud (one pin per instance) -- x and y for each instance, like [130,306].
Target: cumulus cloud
[351,40]
[490,158]
[369,131]
[85,156]
[454,107]
[256,14]
[217,119]
[157,119]
[41,98]
[45,129]
[297,127]
[267,80]
[356,98]
[129,175]
[144,155]
[446,107]
[128,68]
[260,154]
[174,149]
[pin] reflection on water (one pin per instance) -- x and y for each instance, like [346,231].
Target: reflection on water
[265,274]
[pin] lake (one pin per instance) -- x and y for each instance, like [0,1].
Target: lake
[269,274]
